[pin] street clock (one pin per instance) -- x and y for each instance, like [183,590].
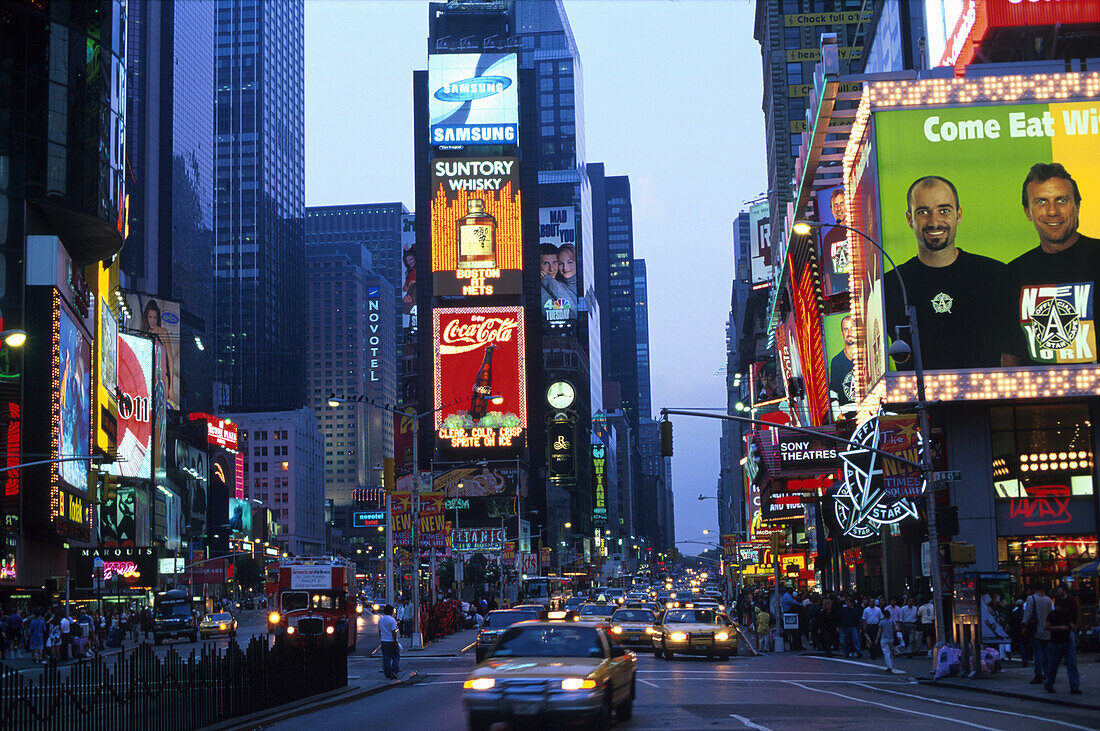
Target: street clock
[560,395]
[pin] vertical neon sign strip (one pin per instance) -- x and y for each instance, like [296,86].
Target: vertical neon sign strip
[55,404]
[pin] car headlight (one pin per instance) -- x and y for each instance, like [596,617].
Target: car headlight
[479,684]
[330,630]
[650,631]
[274,618]
[358,608]
[722,636]
[677,637]
[374,607]
[222,627]
[577,684]
[290,630]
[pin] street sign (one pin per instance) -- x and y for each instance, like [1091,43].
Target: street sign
[947,475]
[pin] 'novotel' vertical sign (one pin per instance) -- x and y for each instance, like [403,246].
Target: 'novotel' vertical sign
[374,319]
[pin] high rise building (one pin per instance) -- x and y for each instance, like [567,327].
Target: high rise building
[283,469]
[641,339]
[352,357]
[789,33]
[259,176]
[377,226]
[168,253]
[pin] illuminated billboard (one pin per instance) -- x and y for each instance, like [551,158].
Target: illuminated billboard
[161,318]
[599,484]
[558,263]
[477,238]
[408,271]
[240,518]
[480,377]
[73,383]
[473,99]
[831,209]
[135,407]
[991,234]
[760,247]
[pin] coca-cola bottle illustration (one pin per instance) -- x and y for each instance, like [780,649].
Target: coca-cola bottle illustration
[483,385]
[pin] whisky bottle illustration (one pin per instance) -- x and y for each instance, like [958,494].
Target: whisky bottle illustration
[477,237]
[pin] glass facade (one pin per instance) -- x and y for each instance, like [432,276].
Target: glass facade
[259,173]
[641,334]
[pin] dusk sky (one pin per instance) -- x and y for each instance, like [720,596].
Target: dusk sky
[672,94]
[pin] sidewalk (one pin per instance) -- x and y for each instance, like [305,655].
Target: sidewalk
[449,646]
[1012,682]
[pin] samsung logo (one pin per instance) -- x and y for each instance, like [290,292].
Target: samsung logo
[477,87]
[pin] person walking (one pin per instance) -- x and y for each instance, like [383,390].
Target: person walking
[885,637]
[1061,624]
[53,640]
[910,630]
[15,633]
[36,635]
[66,634]
[849,628]
[872,615]
[1036,609]
[387,637]
[926,614]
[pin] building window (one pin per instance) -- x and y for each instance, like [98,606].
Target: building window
[1041,451]
[286,466]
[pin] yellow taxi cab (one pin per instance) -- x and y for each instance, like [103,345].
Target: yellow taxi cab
[694,632]
[221,623]
[551,672]
[597,611]
[633,627]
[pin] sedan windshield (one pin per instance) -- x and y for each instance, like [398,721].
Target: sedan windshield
[702,616]
[218,617]
[632,615]
[500,620]
[554,641]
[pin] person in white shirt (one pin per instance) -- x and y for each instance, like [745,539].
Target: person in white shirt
[872,615]
[927,616]
[387,636]
[1036,609]
[907,615]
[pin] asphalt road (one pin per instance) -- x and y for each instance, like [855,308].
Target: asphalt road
[764,694]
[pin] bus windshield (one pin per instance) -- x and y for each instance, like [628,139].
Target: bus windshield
[294,600]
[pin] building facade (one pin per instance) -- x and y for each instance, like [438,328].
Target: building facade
[259,177]
[284,458]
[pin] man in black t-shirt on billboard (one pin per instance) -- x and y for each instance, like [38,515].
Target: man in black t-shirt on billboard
[1048,293]
[842,390]
[948,286]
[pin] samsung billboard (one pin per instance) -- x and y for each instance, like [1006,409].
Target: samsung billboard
[473,99]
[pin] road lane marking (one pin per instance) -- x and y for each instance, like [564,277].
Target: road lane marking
[652,685]
[749,723]
[850,662]
[893,708]
[976,708]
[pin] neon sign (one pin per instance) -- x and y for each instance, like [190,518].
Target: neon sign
[599,473]
[123,569]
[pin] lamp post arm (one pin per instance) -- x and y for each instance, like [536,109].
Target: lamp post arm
[877,245]
[78,458]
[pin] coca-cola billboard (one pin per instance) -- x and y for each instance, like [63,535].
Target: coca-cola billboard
[135,407]
[480,378]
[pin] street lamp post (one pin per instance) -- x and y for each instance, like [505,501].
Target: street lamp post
[900,352]
[414,524]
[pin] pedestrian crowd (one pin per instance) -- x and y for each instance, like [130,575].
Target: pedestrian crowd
[1043,629]
[50,635]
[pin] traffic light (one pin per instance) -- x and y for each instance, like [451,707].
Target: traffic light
[666,438]
[389,481]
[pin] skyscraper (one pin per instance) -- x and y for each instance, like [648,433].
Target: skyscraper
[353,355]
[168,252]
[641,339]
[259,203]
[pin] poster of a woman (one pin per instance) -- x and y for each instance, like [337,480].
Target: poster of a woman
[161,318]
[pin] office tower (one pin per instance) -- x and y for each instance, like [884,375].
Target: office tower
[353,358]
[641,339]
[789,33]
[614,250]
[283,469]
[168,253]
[258,208]
[377,226]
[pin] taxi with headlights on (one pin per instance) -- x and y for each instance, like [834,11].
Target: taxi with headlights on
[494,625]
[552,673]
[634,628]
[694,632]
[220,623]
[597,611]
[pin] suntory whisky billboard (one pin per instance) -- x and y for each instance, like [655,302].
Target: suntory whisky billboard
[991,212]
[473,99]
[477,241]
[480,379]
